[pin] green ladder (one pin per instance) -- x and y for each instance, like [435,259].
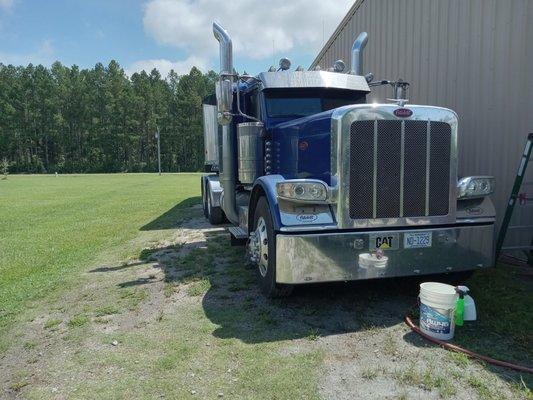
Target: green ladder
[523,199]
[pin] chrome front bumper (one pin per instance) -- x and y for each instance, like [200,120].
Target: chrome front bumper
[327,257]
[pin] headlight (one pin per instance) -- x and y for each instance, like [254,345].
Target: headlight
[475,186]
[302,190]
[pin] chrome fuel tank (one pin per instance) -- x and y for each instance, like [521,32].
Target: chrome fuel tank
[250,140]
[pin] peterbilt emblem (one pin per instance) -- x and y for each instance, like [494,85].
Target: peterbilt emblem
[403,112]
[306,217]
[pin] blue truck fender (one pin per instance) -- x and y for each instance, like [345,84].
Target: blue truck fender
[266,186]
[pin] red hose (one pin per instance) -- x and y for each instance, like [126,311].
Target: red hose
[459,349]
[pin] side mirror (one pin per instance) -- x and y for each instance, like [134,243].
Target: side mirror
[224,93]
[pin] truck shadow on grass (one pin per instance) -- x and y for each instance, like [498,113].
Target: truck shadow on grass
[312,311]
[170,219]
[203,264]
[232,300]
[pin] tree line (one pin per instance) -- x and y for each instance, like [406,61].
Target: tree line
[72,120]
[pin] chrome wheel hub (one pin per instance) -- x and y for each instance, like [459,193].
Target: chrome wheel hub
[258,246]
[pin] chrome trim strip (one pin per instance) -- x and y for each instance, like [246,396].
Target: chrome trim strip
[428,158]
[308,227]
[375,177]
[476,220]
[402,166]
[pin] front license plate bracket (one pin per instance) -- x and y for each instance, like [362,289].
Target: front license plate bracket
[417,240]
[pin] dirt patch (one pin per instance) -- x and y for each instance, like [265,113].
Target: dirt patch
[186,319]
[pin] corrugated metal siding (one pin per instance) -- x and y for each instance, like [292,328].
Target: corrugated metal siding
[475,57]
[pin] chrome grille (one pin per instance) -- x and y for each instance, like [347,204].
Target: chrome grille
[414,200]
[399,169]
[388,168]
[362,161]
[439,170]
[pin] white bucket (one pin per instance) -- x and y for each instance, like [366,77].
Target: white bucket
[437,309]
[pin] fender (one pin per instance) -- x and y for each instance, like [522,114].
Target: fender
[215,188]
[266,185]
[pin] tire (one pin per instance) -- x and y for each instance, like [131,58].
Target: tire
[266,271]
[215,215]
[204,200]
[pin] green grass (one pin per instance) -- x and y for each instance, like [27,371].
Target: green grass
[132,298]
[78,320]
[148,327]
[427,379]
[106,310]
[53,227]
[504,303]
[30,344]
[199,288]
[52,323]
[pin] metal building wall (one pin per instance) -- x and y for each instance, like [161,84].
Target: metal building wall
[473,56]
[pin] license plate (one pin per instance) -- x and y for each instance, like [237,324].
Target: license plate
[389,241]
[416,240]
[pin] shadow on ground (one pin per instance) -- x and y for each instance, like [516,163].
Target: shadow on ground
[171,218]
[232,299]
[202,262]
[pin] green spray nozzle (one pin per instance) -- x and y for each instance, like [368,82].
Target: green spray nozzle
[460,305]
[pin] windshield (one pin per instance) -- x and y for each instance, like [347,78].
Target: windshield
[302,103]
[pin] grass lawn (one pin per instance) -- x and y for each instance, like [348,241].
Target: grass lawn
[114,286]
[52,227]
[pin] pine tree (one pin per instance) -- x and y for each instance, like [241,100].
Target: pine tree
[66,120]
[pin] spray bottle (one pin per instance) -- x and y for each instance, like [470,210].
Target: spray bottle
[460,305]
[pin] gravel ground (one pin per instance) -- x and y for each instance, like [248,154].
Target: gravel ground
[366,351]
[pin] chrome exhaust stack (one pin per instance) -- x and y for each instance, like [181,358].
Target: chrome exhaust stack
[224,100]
[226,49]
[357,54]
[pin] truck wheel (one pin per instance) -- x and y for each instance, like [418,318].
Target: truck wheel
[215,215]
[204,200]
[263,252]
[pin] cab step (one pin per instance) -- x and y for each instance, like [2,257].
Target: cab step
[238,236]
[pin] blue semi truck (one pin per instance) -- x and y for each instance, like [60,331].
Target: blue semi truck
[321,186]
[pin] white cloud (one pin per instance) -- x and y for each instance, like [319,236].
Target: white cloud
[256,26]
[164,66]
[43,55]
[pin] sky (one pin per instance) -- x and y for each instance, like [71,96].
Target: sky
[165,34]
